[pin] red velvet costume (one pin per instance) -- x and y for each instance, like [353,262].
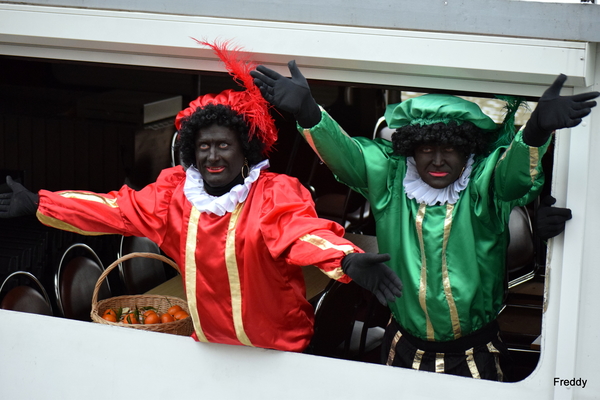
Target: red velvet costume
[243,267]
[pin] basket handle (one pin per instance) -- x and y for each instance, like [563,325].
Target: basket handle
[120,260]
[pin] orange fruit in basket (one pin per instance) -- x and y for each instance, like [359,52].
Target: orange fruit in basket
[166,317]
[152,318]
[110,317]
[130,319]
[174,310]
[180,315]
[110,311]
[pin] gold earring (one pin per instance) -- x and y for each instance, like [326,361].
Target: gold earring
[245,175]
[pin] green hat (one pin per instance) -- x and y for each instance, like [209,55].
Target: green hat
[433,108]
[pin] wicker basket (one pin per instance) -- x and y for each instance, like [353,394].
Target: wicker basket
[182,327]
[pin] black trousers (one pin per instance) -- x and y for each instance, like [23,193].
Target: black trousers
[480,355]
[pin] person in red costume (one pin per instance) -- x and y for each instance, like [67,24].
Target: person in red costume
[239,233]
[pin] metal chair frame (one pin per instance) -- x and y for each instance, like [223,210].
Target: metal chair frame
[90,252]
[122,272]
[40,288]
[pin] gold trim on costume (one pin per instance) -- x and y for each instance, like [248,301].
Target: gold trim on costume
[110,202]
[471,364]
[63,226]
[534,160]
[334,274]
[392,353]
[234,278]
[439,363]
[324,244]
[423,282]
[446,277]
[190,272]
[308,136]
[418,359]
[503,156]
[494,350]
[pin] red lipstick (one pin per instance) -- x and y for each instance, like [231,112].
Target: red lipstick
[215,170]
[438,174]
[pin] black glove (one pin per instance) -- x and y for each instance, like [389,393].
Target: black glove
[369,271]
[550,221]
[18,202]
[289,94]
[556,112]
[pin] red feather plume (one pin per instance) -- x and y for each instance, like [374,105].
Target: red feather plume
[248,103]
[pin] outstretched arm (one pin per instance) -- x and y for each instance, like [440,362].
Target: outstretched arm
[344,156]
[519,169]
[289,94]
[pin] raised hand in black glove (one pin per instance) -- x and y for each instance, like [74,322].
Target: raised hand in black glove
[550,221]
[289,94]
[369,271]
[18,202]
[556,112]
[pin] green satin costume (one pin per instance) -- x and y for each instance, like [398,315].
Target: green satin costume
[450,258]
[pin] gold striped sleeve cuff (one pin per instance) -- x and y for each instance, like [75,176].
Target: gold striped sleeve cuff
[107,201]
[63,226]
[325,244]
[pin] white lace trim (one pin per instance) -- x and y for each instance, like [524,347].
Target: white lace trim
[219,205]
[417,189]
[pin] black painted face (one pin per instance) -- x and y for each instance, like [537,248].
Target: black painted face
[439,165]
[219,155]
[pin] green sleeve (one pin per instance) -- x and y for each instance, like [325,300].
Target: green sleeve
[518,173]
[342,154]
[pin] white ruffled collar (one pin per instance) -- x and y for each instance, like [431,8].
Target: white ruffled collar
[416,188]
[219,205]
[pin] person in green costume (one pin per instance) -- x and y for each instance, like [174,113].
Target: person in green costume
[441,193]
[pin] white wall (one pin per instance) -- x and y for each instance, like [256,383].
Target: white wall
[45,357]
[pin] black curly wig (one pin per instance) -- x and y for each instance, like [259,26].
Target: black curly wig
[223,116]
[466,138]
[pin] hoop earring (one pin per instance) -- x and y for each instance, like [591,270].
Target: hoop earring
[245,175]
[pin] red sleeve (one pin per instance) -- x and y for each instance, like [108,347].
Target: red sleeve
[291,229]
[125,212]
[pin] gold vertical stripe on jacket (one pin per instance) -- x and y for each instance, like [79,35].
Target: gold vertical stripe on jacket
[234,278]
[190,272]
[423,282]
[446,277]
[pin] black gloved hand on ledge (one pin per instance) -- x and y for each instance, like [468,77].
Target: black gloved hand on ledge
[550,221]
